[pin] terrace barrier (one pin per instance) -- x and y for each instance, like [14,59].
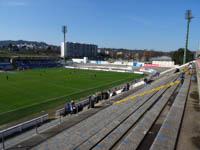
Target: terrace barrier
[21,127]
[198,75]
[173,69]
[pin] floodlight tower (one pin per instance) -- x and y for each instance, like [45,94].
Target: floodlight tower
[188,17]
[64,30]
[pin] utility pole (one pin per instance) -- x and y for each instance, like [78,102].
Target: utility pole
[188,17]
[64,30]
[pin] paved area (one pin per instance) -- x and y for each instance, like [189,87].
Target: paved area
[189,138]
[168,133]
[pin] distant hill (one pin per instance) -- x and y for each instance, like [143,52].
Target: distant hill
[7,42]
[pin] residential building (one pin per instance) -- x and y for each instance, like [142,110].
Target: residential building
[79,50]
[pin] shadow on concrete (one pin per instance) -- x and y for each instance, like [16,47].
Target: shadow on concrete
[195,141]
[194,95]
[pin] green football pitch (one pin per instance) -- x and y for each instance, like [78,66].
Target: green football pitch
[23,93]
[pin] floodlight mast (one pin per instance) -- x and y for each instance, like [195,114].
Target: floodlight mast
[64,30]
[188,17]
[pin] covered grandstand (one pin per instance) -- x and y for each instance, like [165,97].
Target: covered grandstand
[9,63]
[5,63]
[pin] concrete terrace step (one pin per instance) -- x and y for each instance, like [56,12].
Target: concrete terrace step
[132,141]
[168,134]
[116,134]
[74,137]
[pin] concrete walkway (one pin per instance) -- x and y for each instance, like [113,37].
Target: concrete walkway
[189,138]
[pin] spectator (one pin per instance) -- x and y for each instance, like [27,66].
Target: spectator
[182,77]
[114,93]
[145,81]
[107,93]
[98,96]
[124,89]
[101,95]
[91,102]
[79,107]
[104,95]
[177,70]
[127,86]
[73,107]
[67,108]
[190,68]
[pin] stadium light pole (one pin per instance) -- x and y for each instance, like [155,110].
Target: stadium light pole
[188,17]
[64,30]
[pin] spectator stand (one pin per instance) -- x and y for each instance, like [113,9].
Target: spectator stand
[5,64]
[60,113]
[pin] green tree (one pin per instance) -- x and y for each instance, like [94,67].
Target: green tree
[177,56]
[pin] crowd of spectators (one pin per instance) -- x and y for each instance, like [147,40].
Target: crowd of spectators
[72,108]
[28,64]
[5,64]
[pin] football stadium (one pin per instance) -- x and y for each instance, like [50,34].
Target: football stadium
[123,75]
[53,103]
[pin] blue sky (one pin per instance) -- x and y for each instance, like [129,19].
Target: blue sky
[133,24]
